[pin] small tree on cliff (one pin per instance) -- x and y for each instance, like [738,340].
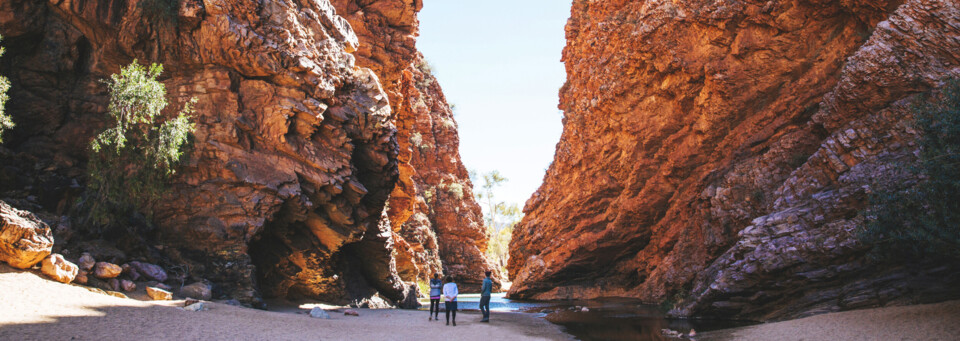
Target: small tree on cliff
[922,220]
[5,122]
[131,161]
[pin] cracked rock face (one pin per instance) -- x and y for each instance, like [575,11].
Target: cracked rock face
[295,151]
[717,154]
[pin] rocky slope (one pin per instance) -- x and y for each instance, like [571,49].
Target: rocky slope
[295,154]
[729,146]
[437,225]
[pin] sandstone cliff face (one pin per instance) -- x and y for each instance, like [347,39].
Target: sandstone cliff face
[437,225]
[295,152]
[717,153]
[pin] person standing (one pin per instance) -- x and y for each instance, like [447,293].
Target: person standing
[485,290]
[450,293]
[435,291]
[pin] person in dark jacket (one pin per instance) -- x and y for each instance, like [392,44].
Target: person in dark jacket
[436,289]
[485,290]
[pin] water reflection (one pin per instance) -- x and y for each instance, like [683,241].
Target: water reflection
[603,319]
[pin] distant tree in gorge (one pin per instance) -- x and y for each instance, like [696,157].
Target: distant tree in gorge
[499,217]
[5,122]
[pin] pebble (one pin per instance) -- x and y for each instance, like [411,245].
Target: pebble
[318,312]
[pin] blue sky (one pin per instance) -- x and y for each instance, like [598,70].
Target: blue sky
[499,63]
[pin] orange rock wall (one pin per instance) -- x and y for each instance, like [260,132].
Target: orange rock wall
[716,153]
[436,229]
[293,160]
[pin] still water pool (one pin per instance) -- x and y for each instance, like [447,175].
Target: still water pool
[603,319]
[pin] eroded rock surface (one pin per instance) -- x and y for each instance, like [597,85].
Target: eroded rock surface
[437,224]
[294,154]
[717,154]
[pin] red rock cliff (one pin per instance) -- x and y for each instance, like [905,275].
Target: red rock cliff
[295,153]
[717,153]
[436,222]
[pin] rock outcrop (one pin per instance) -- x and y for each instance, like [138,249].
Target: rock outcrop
[437,224]
[25,240]
[294,154]
[717,154]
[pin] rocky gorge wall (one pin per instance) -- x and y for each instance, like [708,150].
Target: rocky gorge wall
[436,221]
[295,156]
[729,147]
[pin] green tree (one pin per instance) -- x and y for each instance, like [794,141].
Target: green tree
[499,217]
[5,122]
[131,161]
[922,219]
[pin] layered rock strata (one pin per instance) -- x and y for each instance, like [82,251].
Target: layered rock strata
[437,224]
[294,154]
[729,147]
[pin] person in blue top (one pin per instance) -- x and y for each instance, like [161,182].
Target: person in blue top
[485,297]
[450,293]
[435,291]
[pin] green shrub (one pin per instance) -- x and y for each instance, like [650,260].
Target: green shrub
[131,161]
[456,189]
[416,139]
[922,219]
[447,123]
[5,122]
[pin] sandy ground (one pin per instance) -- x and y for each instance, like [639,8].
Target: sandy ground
[34,308]
[940,321]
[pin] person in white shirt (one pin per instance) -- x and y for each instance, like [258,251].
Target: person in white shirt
[450,293]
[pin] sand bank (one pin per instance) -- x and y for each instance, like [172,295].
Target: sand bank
[940,321]
[34,308]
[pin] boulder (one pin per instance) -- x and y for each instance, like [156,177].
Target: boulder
[81,277]
[58,268]
[25,240]
[130,271]
[113,284]
[106,270]
[149,271]
[198,290]
[128,285]
[158,294]
[318,312]
[374,302]
[199,306]
[86,261]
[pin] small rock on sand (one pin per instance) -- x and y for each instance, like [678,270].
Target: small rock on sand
[106,270]
[198,290]
[114,284]
[199,306]
[81,277]
[351,312]
[319,313]
[158,294]
[59,269]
